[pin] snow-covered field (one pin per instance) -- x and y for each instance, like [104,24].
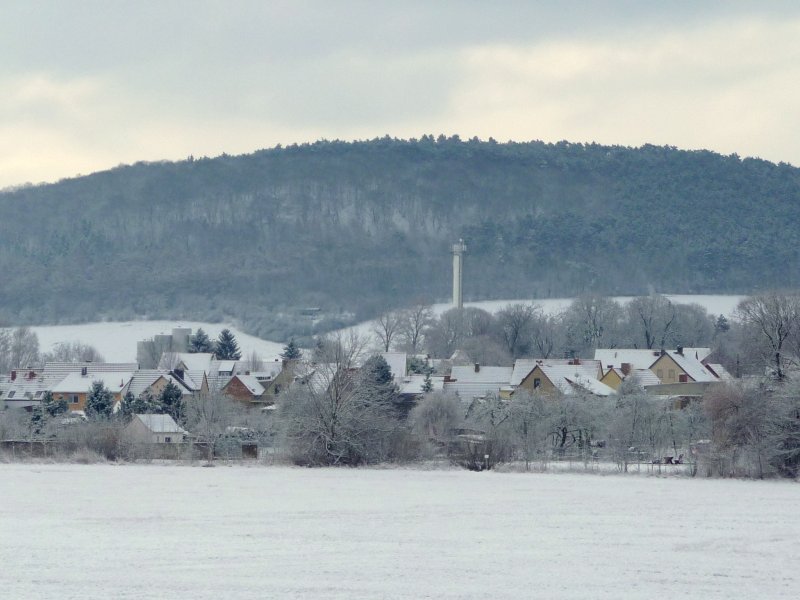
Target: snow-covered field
[101,531]
[116,341]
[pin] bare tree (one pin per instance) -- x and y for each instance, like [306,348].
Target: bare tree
[592,322]
[775,319]
[337,417]
[514,327]
[446,333]
[545,334]
[387,327]
[254,362]
[23,348]
[72,352]
[413,323]
[653,317]
[208,415]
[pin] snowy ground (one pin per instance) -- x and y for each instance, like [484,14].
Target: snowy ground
[71,531]
[116,341]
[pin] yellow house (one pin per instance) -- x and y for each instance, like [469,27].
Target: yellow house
[677,367]
[566,379]
[75,387]
[613,378]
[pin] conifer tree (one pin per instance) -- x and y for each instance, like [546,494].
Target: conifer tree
[100,403]
[171,401]
[52,406]
[291,351]
[226,346]
[201,342]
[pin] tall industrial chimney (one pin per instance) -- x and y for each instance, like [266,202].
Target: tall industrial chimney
[458,264]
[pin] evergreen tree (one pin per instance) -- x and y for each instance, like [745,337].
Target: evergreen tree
[427,384]
[38,420]
[52,406]
[291,351]
[226,347]
[201,342]
[144,404]
[171,401]
[100,403]
[376,381]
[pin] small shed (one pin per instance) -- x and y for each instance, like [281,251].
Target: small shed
[156,429]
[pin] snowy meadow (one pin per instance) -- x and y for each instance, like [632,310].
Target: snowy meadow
[148,531]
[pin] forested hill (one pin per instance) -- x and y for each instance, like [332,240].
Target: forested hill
[368,225]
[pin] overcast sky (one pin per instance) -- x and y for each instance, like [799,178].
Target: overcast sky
[89,85]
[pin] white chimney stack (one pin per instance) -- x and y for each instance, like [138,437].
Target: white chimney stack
[458,263]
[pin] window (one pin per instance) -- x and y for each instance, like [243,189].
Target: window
[660,373]
[38,394]
[167,439]
[12,393]
[73,399]
[536,382]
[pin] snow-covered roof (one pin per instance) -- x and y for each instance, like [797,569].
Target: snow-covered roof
[720,371]
[55,372]
[76,383]
[645,377]
[413,384]
[22,392]
[396,362]
[160,423]
[269,370]
[224,366]
[144,378]
[481,374]
[523,366]
[571,378]
[693,367]
[640,358]
[251,383]
[471,390]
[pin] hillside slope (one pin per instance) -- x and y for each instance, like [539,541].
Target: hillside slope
[367,225]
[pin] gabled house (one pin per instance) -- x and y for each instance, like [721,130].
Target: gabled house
[75,387]
[679,366]
[245,388]
[477,381]
[638,358]
[614,376]
[156,429]
[565,379]
[154,381]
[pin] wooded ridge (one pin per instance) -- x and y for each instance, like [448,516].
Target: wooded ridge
[357,228]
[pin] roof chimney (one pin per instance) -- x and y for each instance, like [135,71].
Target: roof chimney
[680,350]
[13,375]
[84,371]
[477,367]
[626,368]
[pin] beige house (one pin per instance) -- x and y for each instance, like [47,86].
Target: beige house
[156,429]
